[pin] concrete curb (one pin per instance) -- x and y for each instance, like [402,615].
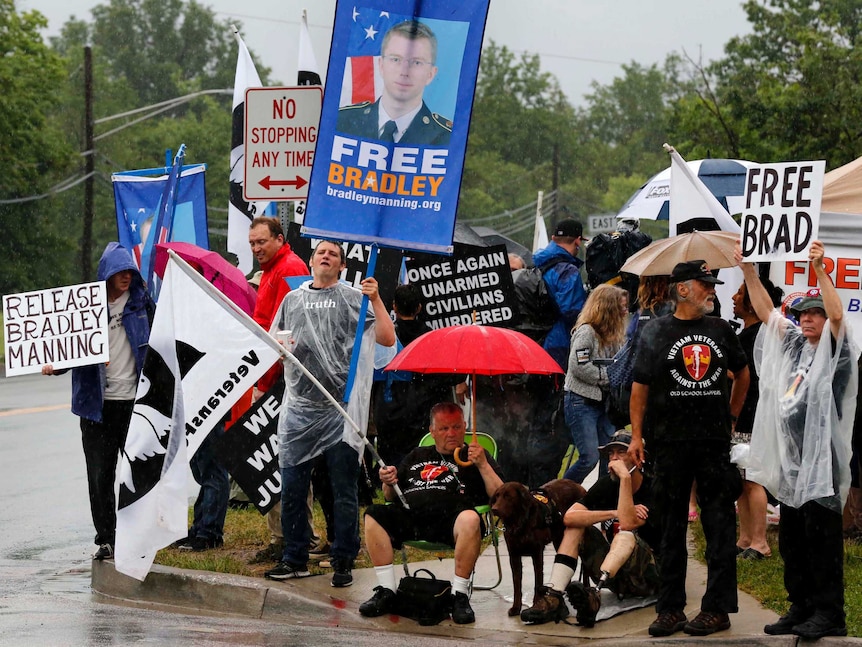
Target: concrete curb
[313,602]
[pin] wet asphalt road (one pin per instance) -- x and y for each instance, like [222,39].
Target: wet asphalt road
[46,541]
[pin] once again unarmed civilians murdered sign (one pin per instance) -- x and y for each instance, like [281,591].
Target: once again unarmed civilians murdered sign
[65,326]
[782,210]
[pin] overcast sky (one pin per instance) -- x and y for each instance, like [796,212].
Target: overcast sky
[578,40]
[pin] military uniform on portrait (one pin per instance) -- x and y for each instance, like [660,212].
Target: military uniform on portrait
[362,120]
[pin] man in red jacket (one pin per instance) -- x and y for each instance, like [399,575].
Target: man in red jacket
[277,260]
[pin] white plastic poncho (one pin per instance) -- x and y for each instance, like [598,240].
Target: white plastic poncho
[800,449]
[323,324]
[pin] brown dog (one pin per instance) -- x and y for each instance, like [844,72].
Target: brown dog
[532,520]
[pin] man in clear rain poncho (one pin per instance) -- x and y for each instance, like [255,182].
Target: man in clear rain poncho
[322,317]
[801,451]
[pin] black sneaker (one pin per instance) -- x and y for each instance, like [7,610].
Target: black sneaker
[272,553]
[784,625]
[549,605]
[105,551]
[200,544]
[382,602]
[586,601]
[285,571]
[462,612]
[342,576]
[706,623]
[818,626]
[319,551]
[667,623]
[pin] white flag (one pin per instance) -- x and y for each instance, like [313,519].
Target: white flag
[540,232]
[691,199]
[308,73]
[240,212]
[204,353]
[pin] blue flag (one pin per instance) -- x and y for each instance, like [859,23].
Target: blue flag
[143,218]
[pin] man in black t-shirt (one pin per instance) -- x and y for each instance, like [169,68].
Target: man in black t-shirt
[684,407]
[441,495]
[627,565]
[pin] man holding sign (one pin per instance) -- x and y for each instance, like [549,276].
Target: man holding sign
[319,322]
[103,395]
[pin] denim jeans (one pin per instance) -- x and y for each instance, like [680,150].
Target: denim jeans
[343,464]
[591,428]
[211,504]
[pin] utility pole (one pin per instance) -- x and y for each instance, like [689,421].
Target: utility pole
[89,166]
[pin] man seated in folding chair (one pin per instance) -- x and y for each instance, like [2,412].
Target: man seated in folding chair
[621,500]
[441,496]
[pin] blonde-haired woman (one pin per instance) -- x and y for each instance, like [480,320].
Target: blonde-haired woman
[598,334]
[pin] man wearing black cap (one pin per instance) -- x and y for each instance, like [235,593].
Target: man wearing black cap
[680,406]
[805,417]
[561,269]
[627,565]
[547,436]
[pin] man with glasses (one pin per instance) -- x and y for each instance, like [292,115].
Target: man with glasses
[407,65]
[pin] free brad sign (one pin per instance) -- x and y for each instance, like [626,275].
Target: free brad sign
[280,138]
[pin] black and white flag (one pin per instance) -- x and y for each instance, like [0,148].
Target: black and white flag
[240,212]
[204,353]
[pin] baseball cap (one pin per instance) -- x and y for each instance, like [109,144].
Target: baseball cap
[570,227]
[621,438]
[812,299]
[693,270]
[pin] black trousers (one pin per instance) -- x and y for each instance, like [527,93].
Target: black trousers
[677,465]
[811,543]
[102,443]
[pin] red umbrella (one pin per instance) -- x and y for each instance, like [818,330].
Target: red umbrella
[477,350]
[228,279]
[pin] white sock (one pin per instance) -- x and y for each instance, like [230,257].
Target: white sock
[460,585]
[386,576]
[561,576]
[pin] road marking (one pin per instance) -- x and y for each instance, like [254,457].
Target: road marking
[19,412]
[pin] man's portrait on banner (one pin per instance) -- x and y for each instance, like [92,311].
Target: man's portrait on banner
[401,78]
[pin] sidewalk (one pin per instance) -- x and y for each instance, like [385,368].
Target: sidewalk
[312,601]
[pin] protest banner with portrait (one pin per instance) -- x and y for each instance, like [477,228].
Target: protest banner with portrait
[782,210]
[396,114]
[64,326]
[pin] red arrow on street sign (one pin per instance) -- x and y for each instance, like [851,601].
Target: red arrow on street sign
[298,182]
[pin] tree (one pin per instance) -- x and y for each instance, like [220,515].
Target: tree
[33,153]
[790,90]
[522,138]
[146,52]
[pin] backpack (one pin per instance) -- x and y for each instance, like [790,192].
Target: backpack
[607,253]
[537,310]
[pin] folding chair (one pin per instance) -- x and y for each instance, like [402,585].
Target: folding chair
[484,511]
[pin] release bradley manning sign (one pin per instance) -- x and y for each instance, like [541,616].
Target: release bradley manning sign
[64,326]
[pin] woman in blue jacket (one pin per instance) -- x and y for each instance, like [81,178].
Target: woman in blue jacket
[103,395]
